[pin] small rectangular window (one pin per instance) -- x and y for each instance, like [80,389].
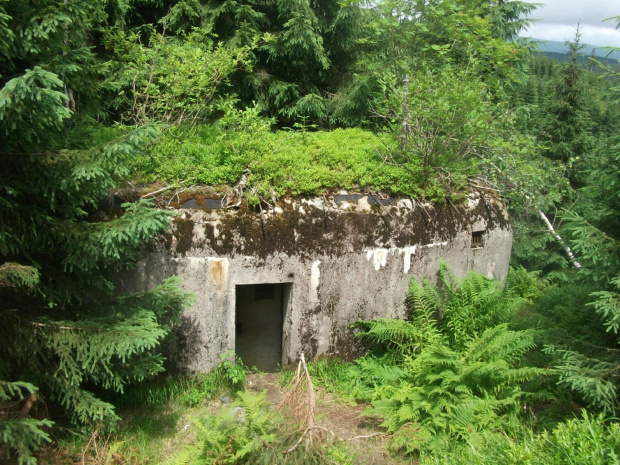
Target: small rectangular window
[264,292]
[477,239]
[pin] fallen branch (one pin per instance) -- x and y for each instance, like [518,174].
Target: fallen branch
[176,194]
[163,189]
[558,238]
[311,394]
[368,436]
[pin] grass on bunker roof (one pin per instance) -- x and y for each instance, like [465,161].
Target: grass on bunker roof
[288,162]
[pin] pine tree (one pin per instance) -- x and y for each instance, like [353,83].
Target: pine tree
[65,333]
[306,51]
[567,129]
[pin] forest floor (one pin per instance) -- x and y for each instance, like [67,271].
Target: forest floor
[155,435]
[344,421]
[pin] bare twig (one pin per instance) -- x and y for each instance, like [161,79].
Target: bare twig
[176,194]
[91,439]
[160,190]
[368,436]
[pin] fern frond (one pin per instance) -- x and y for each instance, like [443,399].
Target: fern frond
[390,333]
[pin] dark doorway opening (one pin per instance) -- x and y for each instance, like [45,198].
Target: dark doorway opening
[260,312]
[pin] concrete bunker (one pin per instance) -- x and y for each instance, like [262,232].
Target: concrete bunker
[260,315]
[323,263]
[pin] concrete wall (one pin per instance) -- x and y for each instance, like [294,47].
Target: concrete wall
[348,257]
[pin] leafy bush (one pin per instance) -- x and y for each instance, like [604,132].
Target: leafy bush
[463,308]
[443,394]
[228,377]
[583,354]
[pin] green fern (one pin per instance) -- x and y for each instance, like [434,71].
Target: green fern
[454,370]
[463,308]
[458,393]
[247,432]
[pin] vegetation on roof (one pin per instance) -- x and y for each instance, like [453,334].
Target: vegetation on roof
[282,162]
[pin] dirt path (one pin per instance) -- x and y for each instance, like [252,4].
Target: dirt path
[366,440]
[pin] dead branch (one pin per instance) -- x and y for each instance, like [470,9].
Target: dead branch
[311,393]
[300,403]
[160,190]
[368,436]
[238,190]
[176,194]
[558,238]
[25,410]
[91,439]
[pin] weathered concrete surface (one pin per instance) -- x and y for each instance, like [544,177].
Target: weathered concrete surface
[347,257]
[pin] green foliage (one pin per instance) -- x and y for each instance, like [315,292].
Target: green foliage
[24,437]
[445,124]
[240,430]
[590,439]
[228,377]
[306,52]
[19,435]
[464,308]
[247,431]
[280,163]
[567,129]
[592,225]
[330,373]
[109,349]
[63,326]
[525,284]
[405,36]
[456,394]
[454,370]
[171,79]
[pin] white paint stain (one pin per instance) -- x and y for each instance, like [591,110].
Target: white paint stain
[216,229]
[472,202]
[407,252]
[435,244]
[192,263]
[315,282]
[379,255]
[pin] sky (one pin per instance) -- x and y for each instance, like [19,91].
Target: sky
[558,19]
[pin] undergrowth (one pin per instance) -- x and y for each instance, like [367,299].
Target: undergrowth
[451,373]
[227,378]
[591,440]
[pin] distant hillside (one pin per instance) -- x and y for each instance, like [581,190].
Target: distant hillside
[558,50]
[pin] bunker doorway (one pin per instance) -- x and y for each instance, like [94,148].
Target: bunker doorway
[260,312]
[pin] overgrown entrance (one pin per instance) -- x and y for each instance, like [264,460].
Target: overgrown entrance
[260,313]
